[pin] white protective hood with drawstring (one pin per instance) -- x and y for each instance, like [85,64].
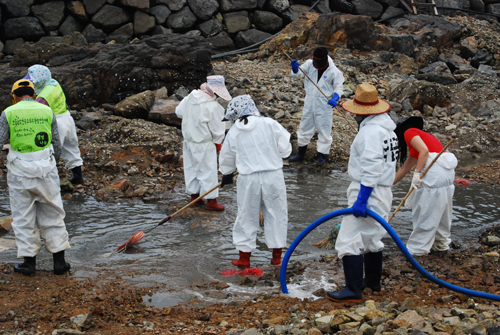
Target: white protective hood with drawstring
[255,146]
[202,128]
[372,162]
[431,205]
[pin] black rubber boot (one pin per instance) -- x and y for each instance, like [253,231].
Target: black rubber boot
[373,271]
[353,271]
[321,159]
[301,154]
[60,265]
[77,176]
[28,268]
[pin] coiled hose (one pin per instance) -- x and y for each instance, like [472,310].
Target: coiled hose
[396,239]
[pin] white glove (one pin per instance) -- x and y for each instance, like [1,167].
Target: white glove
[416,181]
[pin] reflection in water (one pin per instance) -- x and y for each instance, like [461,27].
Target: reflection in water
[196,246]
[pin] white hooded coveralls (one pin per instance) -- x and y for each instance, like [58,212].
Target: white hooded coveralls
[372,162]
[35,198]
[432,206]
[317,113]
[256,151]
[202,128]
[70,153]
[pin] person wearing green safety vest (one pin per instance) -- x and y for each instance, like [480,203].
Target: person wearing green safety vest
[33,180]
[49,92]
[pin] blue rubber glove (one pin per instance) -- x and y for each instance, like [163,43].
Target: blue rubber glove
[359,206]
[333,101]
[295,66]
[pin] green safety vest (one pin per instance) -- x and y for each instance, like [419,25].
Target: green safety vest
[55,97]
[30,125]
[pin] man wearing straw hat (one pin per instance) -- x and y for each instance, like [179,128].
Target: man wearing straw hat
[372,168]
[317,112]
[432,201]
[203,132]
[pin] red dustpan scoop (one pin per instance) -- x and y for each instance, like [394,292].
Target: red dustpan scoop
[133,240]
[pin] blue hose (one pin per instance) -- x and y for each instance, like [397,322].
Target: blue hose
[396,239]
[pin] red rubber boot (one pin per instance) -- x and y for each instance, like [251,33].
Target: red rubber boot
[200,202]
[212,205]
[276,260]
[244,260]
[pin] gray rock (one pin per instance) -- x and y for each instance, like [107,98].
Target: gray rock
[368,7]
[183,19]
[280,5]
[92,6]
[174,5]
[82,321]
[50,14]
[109,18]
[181,93]
[235,5]
[143,23]
[221,42]
[193,33]
[437,72]
[343,6]
[93,35]
[453,61]
[160,12]
[89,121]
[18,8]
[468,47]
[293,12]
[481,57]
[12,45]
[160,30]
[211,27]
[1,47]
[464,4]
[136,106]
[250,37]
[236,21]
[76,39]
[477,5]
[323,7]
[70,25]
[125,30]
[67,332]
[267,21]
[51,39]
[77,9]
[28,28]
[203,9]
[163,111]
[139,4]
[486,70]
[391,11]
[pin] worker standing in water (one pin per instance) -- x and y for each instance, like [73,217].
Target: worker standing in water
[432,201]
[317,112]
[203,132]
[33,180]
[256,146]
[372,168]
[49,92]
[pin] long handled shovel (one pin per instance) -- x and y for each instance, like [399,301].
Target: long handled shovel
[335,108]
[421,176]
[134,239]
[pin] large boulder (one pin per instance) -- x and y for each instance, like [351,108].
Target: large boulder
[203,9]
[92,6]
[250,37]
[112,72]
[267,21]
[136,106]
[110,17]
[368,7]
[421,93]
[50,14]
[235,5]
[236,21]
[28,28]
[18,8]
[182,20]
[437,72]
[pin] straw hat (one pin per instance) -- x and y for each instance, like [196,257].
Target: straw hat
[217,85]
[366,101]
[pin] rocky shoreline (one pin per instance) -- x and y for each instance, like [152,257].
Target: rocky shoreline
[141,160]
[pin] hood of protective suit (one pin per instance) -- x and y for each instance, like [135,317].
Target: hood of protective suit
[197,97]
[383,120]
[447,160]
[252,122]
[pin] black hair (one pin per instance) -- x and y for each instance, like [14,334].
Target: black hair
[402,126]
[22,91]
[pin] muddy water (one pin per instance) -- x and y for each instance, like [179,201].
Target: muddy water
[187,254]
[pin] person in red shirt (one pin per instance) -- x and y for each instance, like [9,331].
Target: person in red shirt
[432,200]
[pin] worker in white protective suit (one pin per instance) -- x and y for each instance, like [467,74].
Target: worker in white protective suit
[49,92]
[432,199]
[372,167]
[203,133]
[255,146]
[317,112]
[33,181]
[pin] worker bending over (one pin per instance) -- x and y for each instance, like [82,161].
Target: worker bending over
[50,93]
[203,132]
[372,168]
[33,180]
[432,199]
[317,112]
[256,146]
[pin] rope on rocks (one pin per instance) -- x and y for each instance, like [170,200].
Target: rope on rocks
[396,239]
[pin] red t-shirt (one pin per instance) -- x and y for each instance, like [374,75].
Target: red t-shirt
[430,141]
